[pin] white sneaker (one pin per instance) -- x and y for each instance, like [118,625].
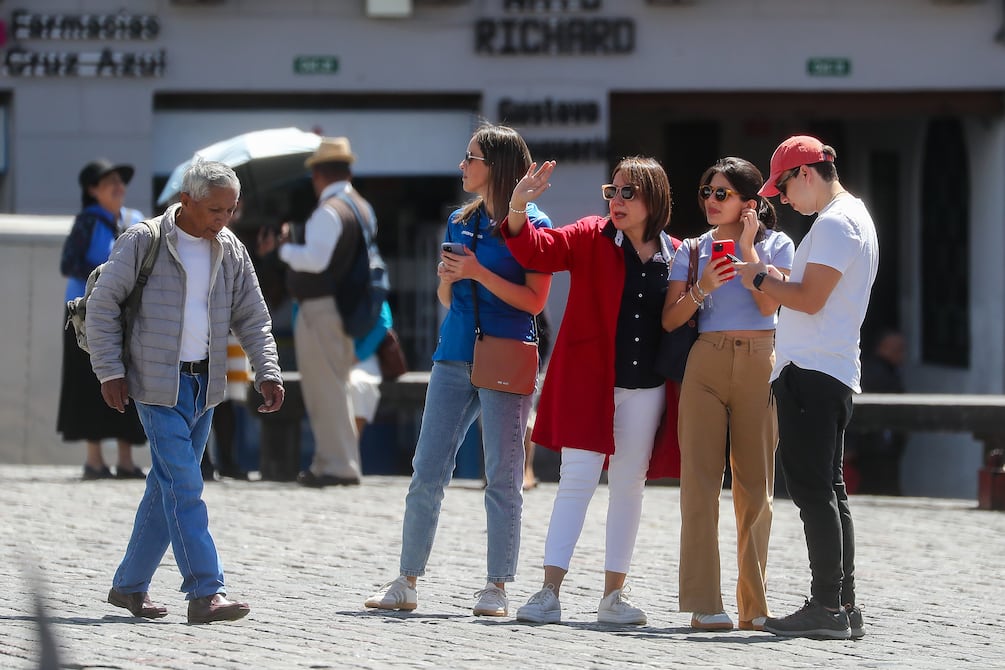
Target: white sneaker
[717,621]
[492,601]
[543,607]
[616,608]
[396,595]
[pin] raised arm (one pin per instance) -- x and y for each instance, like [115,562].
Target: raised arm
[533,184]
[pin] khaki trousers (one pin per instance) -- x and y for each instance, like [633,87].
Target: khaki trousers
[726,387]
[325,356]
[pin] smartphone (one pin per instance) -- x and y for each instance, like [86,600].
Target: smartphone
[723,249]
[453,248]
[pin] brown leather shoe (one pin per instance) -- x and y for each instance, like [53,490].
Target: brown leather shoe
[216,608]
[139,604]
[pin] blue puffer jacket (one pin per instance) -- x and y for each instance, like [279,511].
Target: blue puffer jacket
[235,302]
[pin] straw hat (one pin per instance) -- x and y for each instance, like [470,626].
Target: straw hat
[331,150]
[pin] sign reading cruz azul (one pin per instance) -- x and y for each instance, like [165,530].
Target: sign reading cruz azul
[554,27]
[18,62]
[21,61]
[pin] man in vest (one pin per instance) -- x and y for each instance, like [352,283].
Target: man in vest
[325,353]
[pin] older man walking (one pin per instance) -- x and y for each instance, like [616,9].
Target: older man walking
[325,352]
[203,285]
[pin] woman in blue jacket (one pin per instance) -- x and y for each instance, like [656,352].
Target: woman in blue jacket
[83,414]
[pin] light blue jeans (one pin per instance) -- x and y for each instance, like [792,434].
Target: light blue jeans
[172,510]
[452,405]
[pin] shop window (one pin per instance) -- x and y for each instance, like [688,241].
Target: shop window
[945,245]
[883,198]
[689,147]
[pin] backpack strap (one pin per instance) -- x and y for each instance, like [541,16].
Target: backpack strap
[367,220]
[132,303]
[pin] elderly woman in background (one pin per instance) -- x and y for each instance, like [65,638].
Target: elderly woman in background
[83,414]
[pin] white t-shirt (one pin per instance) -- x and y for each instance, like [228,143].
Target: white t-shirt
[194,253]
[843,237]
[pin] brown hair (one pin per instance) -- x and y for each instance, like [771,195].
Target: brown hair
[826,169]
[654,187]
[746,180]
[508,159]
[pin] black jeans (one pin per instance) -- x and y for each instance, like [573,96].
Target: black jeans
[813,412]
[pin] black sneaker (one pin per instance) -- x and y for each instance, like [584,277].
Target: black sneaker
[813,620]
[855,621]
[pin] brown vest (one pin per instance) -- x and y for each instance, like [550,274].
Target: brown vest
[305,285]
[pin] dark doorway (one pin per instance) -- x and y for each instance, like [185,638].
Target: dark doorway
[689,148]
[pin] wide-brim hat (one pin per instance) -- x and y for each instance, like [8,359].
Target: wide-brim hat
[331,150]
[94,171]
[794,152]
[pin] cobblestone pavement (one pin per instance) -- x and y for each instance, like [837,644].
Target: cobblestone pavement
[930,584]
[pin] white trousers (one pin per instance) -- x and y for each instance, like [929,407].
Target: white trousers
[637,415]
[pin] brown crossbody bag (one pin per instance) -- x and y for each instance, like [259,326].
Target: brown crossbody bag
[502,363]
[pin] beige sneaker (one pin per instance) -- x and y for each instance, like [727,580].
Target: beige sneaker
[717,621]
[543,607]
[617,609]
[757,623]
[492,601]
[396,595]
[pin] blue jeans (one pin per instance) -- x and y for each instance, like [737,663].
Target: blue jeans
[452,405]
[172,510]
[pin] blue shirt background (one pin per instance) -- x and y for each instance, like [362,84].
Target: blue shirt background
[99,247]
[367,345]
[457,332]
[731,307]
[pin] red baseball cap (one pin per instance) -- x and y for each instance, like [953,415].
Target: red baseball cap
[793,152]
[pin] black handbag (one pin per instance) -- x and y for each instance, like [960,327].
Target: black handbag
[675,345]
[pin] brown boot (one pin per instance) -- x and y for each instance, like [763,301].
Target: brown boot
[139,604]
[216,608]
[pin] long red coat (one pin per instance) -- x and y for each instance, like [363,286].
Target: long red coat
[577,400]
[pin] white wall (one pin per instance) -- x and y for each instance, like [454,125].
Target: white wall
[31,356]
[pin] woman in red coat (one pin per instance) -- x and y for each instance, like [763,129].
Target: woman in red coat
[602,399]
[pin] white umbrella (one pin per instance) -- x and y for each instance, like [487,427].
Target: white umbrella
[262,159]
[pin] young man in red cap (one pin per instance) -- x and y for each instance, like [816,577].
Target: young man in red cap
[817,368]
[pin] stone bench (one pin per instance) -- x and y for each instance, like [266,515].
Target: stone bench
[981,415]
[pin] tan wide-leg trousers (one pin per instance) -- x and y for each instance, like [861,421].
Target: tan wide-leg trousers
[325,356]
[726,387]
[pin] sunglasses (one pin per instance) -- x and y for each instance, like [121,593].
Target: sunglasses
[627,192]
[783,184]
[720,193]
[468,157]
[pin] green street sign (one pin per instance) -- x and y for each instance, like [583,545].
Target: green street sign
[828,67]
[315,65]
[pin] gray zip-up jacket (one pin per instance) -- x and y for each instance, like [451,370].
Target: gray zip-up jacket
[235,303]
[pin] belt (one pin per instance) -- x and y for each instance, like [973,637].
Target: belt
[195,367]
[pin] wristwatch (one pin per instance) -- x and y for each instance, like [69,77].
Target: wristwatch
[759,279]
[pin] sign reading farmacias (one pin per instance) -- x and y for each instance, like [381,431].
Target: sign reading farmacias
[554,28]
[26,61]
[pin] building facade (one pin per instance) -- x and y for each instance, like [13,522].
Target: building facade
[909,92]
